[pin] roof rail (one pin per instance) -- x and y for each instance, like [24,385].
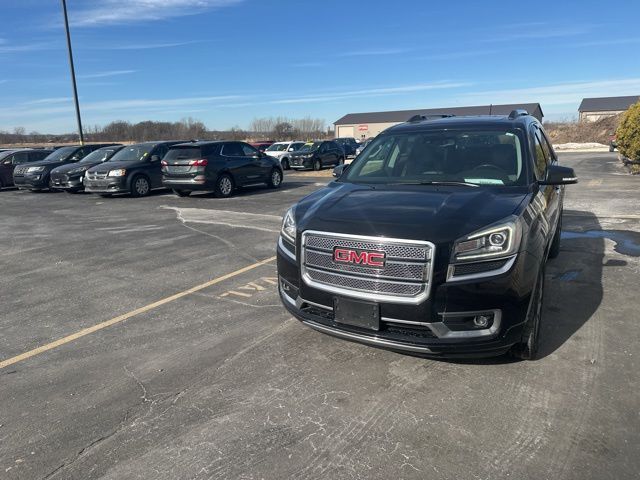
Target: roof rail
[431,116]
[520,112]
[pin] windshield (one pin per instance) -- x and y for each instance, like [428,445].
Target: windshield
[277,147]
[478,157]
[133,152]
[60,154]
[99,155]
[310,147]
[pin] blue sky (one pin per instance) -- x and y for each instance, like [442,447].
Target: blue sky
[226,62]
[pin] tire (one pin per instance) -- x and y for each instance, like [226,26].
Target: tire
[317,165]
[527,348]
[224,186]
[140,186]
[554,250]
[285,164]
[275,179]
[1,184]
[182,193]
[611,149]
[340,161]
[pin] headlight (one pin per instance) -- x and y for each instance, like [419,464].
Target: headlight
[288,230]
[35,169]
[121,172]
[499,240]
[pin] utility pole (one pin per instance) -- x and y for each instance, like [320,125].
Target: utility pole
[73,72]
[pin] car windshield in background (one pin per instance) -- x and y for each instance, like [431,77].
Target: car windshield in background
[98,155]
[60,154]
[310,147]
[183,153]
[133,152]
[5,154]
[277,147]
[482,157]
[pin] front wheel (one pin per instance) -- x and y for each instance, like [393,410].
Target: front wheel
[527,348]
[224,186]
[140,186]
[285,164]
[317,165]
[275,179]
[182,193]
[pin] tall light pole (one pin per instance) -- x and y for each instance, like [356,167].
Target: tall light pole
[73,72]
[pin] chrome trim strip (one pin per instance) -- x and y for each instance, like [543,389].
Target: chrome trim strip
[301,301]
[408,322]
[473,276]
[285,250]
[366,339]
[368,295]
[287,298]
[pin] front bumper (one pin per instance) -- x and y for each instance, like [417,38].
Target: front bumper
[106,185]
[300,163]
[32,181]
[65,183]
[430,328]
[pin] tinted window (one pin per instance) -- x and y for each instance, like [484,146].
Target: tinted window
[61,154]
[20,157]
[296,146]
[546,146]
[99,155]
[480,157]
[232,150]
[540,157]
[182,153]
[133,152]
[248,150]
[35,156]
[160,151]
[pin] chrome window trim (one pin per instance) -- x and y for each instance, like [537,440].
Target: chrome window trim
[367,295]
[473,276]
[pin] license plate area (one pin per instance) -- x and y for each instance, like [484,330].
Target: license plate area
[356,313]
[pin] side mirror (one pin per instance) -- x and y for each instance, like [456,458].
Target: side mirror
[339,170]
[290,150]
[557,175]
[155,158]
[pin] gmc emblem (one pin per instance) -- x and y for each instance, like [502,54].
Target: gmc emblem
[359,257]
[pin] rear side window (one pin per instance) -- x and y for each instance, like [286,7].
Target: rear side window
[183,153]
[540,157]
[232,150]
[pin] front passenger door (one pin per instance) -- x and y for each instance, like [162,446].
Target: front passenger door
[155,167]
[259,167]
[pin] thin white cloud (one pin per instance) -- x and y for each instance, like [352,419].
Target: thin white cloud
[112,12]
[111,73]
[31,47]
[149,46]
[539,33]
[601,43]
[309,64]
[555,94]
[48,101]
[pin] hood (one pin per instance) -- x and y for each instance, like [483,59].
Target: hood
[440,214]
[277,154]
[67,167]
[50,164]
[109,165]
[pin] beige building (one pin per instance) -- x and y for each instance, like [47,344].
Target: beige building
[366,125]
[592,109]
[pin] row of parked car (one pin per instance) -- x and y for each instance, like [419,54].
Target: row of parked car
[183,166]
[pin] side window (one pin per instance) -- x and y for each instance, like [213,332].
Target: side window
[35,156]
[21,157]
[540,158]
[232,150]
[546,146]
[161,151]
[323,148]
[248,150]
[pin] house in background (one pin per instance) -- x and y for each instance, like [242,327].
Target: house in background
[366,125]
[592,109]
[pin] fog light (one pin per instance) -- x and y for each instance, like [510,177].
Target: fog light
[481,321]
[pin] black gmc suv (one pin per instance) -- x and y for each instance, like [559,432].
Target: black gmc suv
[70,177]
[36,176]
[433,241]
[135,170]
[219,167]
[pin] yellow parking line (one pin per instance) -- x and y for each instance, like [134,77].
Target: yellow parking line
[123,317]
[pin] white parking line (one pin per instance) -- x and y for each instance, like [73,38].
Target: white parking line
[253,221]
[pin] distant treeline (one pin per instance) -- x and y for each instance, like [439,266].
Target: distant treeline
[273,128]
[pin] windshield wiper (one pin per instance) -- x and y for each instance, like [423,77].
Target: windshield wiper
[432,182]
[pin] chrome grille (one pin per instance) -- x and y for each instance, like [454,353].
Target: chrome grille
[96,175]
[405,277]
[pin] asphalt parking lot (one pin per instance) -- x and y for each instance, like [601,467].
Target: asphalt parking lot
[168,355]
